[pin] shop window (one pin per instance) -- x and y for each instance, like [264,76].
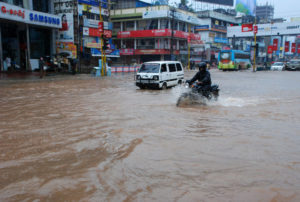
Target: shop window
[164,24]
[39,42]
[41,5]
[142,24]
[129,26]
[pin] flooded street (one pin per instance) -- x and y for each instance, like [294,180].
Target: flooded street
[86,139]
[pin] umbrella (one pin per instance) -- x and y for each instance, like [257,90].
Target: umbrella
[64,54]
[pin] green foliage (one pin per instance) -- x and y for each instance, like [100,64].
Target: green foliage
[241,8]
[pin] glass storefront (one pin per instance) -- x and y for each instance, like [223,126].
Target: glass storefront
[40,42]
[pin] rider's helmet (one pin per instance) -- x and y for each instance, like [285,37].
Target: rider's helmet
[202,66]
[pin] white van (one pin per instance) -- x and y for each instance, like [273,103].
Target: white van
[159,74]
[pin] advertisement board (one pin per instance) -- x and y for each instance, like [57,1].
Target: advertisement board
[127,51]
[158,33]
[177,15]
[64,9]
[275,44]
[289,28]
[220,2]
[247,7]
[287,46]
[293,47]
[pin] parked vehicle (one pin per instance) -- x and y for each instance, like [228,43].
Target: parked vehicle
[159,74]
[293,65]
[278,66]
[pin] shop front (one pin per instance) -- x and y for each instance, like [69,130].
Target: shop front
[25,36]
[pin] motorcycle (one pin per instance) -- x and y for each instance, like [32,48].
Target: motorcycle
[197,94]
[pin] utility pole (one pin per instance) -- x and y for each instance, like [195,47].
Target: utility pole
[103,56]
[172,12]
[254,57]
[189,48]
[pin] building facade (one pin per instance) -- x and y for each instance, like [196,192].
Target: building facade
[27,32]
[146,34]
[265,13]
[213,30]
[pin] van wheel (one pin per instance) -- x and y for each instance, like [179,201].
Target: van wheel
[142,87]
[164,86]
[179,82]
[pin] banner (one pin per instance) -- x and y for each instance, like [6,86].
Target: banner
[247,27]
[247,7]
[64,47]
[275,44]
[293,47]
[127,51]
[158,33]
[221,2]
[88,31]
[298,49]
[270,49]
[287,46]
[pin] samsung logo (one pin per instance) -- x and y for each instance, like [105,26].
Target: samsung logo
[44,19]
[293,27]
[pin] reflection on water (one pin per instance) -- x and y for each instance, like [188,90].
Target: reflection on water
[87,139]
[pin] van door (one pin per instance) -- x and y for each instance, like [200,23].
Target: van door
[180,73]
[164,74]
[173,74]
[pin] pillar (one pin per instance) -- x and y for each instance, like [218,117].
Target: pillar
[1,51]
[28,65]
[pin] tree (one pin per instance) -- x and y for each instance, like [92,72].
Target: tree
[184,6]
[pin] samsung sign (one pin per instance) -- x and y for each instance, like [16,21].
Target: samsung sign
[44,19]
[18,14]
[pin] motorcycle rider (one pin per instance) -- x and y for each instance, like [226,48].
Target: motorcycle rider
[203,77]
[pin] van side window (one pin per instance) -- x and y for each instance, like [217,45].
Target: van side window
[179,68]
[172,67]
[163,68]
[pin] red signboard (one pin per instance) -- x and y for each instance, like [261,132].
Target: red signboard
[127,51]
[189,39]
[275,44]
[255,28]
[270,49]
[247,27]
[293,47]
[151,52]
[287,46]
[107,33]
[100,26]
[158,33]
[298,49]
[97,33]
[10,11]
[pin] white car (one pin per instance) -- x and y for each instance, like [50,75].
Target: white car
[278,66]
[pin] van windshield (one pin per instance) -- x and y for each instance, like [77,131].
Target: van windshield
[150,68]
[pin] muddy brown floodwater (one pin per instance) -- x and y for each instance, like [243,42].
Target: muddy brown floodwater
[85,139]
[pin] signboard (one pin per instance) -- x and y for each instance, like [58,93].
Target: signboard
[127,51]
[247,27]
[298,49]
[95,23]
[64,8]
[151,52]
[167,14]
[270,49]
[247,7]
[221,2]
[94,3]
[65,47]
[293,47]
[92,9]
[201,27]
[109,53]
[100,27]
[275,44]
[158,33]
[287,46]
[15,13]
[289,28]
[221,40]
[255,29]
[88,31]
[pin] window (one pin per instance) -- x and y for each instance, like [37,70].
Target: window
[129,26]
[241,56]
[149,68]
[163,68]
[14,2]
[179,68]
[172,67]
[164,24]
[40,5]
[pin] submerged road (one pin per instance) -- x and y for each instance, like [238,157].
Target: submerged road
[85,139]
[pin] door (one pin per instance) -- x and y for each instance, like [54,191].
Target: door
[164,73]
[172,74]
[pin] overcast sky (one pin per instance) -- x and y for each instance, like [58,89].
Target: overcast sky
[283,8]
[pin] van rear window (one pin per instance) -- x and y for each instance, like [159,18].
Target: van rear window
[172,68]
[179,68]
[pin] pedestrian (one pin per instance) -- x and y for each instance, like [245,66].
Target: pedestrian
[41,66]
